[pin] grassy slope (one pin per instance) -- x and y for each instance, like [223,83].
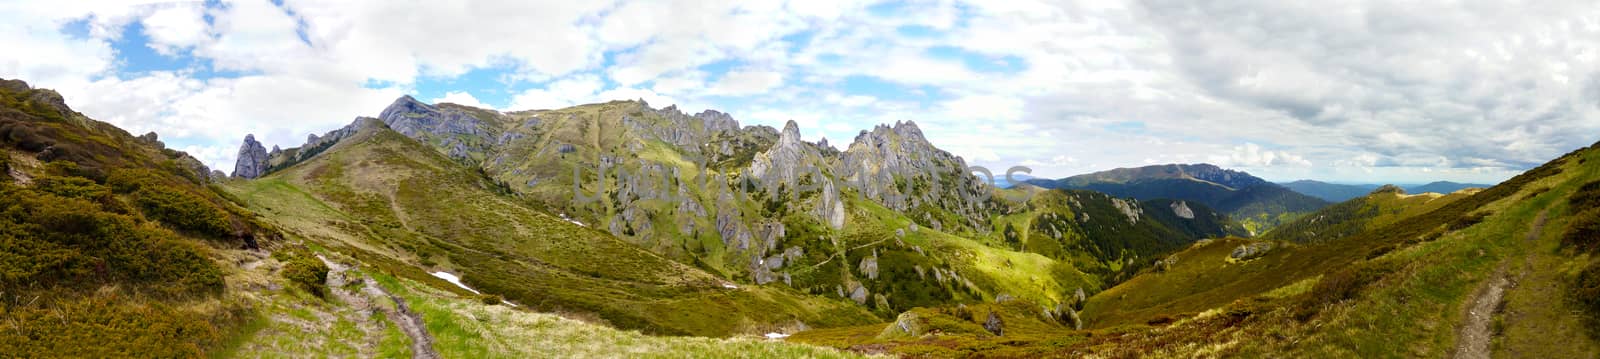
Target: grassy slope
[1201,277]
[293,323]
[388,200]
[1399,290]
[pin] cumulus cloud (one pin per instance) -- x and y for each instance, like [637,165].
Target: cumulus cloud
[461,98]
[1352,88]
[1251,155]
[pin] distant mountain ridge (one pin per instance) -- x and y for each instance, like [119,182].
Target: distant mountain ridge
[1259,204]
[1444,187]
[1331,192]
[1335,192]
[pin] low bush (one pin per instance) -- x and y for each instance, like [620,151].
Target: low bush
[1583,232]
[107,327]
[1588,196]
[1586,292]
[183,210]
[305,272]
[1342,285]
[47,240]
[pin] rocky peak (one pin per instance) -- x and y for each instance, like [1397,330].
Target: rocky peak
[790,134]
[252,161]
[887,155]
[909,130]
[785,160]
[717,121]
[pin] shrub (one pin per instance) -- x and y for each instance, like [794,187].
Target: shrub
[1583,233]
[183,210]
[72,187]
[1588,196]
[106,327]
[129,180]
[1342,285]
[307,273]
[1586,290]
[47,240]
[1467,221]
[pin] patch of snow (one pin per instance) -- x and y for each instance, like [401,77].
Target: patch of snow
[729,286]
[453,279]
[574,221]
[776,336]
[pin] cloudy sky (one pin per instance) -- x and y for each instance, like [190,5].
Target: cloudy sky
[1349,91]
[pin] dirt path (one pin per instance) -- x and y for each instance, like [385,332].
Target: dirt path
[409,322]
[1474,336]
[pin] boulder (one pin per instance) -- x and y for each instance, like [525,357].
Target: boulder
[994,324]
[1251,251]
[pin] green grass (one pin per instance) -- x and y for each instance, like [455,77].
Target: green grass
[383,198]
[466,328]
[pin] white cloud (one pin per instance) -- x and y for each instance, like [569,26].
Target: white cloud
[1381,87]
[175,27]
[746,82]
[1251,155]
[461,98]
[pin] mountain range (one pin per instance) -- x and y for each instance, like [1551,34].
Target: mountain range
[1334,192]
[1257,204]
[621,229]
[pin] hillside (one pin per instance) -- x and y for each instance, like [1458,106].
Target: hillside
[889,223]
[382,196]
[113,246]
[1421,275]
[1257,204]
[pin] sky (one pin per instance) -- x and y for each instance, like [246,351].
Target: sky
[1342,90]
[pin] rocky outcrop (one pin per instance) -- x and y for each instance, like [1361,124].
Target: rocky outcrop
[418,120]
[1181,209]
[994,324]
[1130,209]
[784,163]
[898,167]
[1251,251]
[252,161]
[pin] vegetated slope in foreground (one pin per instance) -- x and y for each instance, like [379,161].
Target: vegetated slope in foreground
[110,245]
[390,201]
[295,324]
[1400,289]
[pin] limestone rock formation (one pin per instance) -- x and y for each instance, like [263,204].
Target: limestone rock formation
[1251,251]
[252,161]
[898,167]
[995,325]
[1181,209]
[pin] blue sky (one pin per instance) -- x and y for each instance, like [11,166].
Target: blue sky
[1374,93]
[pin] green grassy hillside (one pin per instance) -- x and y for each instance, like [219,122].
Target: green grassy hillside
[1424,276]
[384,198]
[110,245]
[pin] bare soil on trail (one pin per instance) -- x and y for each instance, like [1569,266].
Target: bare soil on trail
[399,313]
[1475,336]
